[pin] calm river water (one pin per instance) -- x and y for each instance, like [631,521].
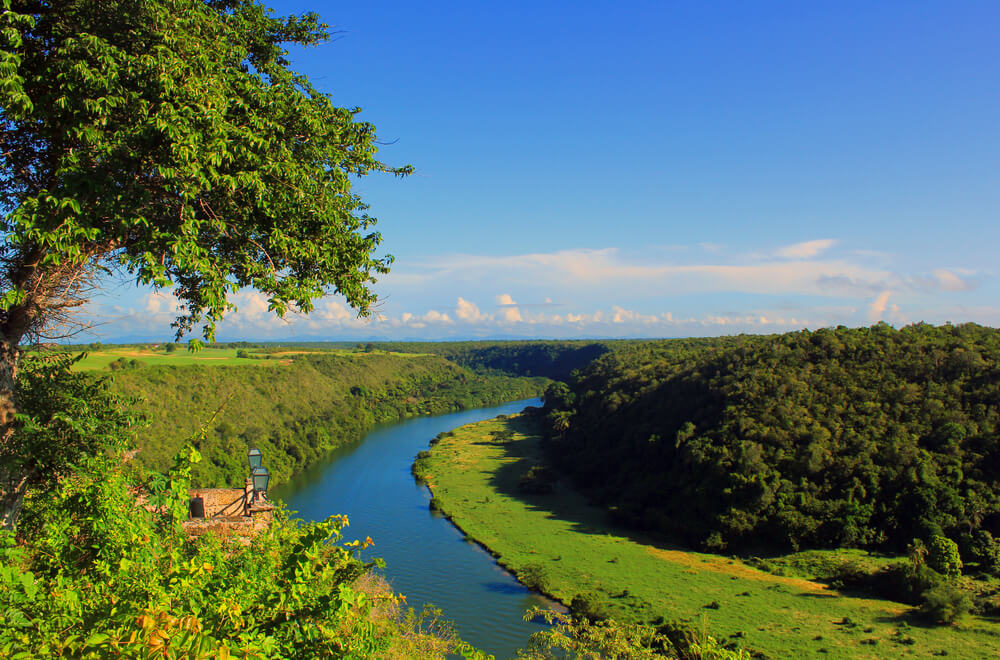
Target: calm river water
[426,557]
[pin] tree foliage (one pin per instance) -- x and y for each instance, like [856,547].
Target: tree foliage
[552,359]
[172,141]
[172,138]
[589,639]
[865,437]
[96,575]
[66,418]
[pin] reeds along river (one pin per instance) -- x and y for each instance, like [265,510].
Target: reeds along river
[427,558]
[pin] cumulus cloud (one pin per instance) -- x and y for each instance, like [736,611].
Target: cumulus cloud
[606,292]
[434,316]
[877,307]
[807,249]
[467,311]
[158,303]
[510,315]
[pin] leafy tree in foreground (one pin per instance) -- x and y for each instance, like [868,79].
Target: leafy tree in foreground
[169,139]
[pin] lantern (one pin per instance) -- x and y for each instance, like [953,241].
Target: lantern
[255,458]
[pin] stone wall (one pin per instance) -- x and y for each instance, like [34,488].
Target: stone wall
[221,501]
[226,514]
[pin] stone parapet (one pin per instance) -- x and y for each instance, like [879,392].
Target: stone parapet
[224,512]
[219,502]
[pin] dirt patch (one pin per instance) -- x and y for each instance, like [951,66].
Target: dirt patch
[738,569]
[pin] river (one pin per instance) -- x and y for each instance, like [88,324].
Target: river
[427,558]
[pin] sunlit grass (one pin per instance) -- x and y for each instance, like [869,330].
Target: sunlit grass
[147,355]
[568,548]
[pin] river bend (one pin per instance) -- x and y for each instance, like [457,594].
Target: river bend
[427,558]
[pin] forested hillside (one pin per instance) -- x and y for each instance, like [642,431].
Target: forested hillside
[298,412]
[552,359]
[865,437]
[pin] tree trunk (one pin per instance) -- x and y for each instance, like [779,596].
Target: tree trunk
[13,479]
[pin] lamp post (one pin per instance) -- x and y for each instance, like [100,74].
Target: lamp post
[254,457]
[260,477]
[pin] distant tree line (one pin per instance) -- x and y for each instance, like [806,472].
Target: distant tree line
[551,359]
[866,437]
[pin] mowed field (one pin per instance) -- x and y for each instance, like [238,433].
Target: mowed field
[146,356]
[101,359]
[567,547]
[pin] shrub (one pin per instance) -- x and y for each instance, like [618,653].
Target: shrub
[945,603]
[986,550]
[533,576]
[852,573]
[943,557]
[538,480]
[589,607]
[906,582]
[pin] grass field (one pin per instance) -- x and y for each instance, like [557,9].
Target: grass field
[566,547]
[101,359]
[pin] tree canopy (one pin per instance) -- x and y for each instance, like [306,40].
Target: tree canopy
[866,437]
[171,141]
[171,138]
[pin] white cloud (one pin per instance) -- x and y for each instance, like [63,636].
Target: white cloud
[604,270]
[510,315]
[806,250]
[606,292]
[467,311]
[877,307]
[434,316]
[949,281]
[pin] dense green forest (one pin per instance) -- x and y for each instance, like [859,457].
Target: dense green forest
[552,359]
[298,412]
[867,437]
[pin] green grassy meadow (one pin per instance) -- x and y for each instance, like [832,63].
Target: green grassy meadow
[147,355]
[564,546]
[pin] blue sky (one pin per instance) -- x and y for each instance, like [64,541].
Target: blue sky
[658,169]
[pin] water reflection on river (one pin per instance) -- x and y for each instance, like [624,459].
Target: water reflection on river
[426,557]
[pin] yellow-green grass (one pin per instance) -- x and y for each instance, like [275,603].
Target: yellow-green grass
[101,359]
[147,356]
[568,545]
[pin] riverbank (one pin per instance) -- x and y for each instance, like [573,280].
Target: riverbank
[561,545]
[425,556]
[296,413]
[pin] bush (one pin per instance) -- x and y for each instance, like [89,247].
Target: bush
[97,575]
[906,582]
[538,480]
[986,550]
[533,576]
[589,607]
[943,557]
[852,573]
[945,603]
